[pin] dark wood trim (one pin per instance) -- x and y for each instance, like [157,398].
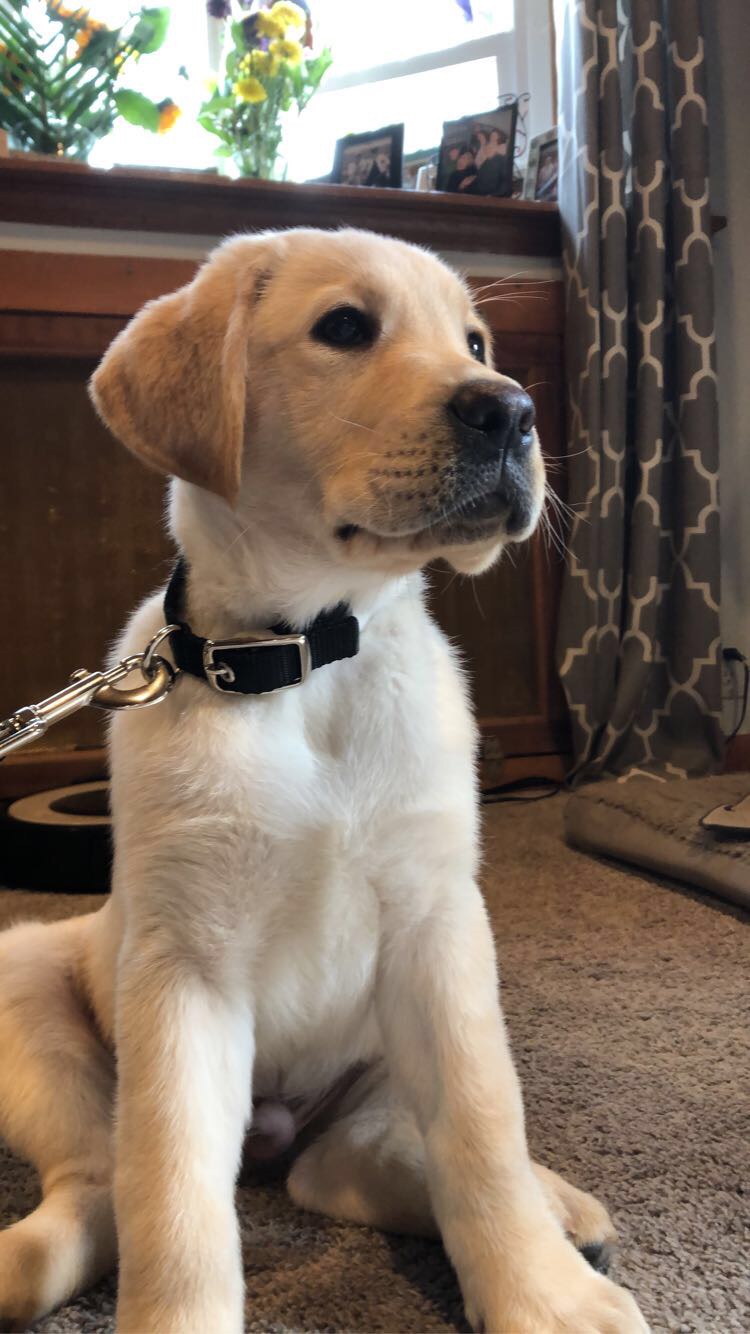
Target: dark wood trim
[84,337]
[521,306]
[492,772]
[58,283]
[38,770]
[63,284]
[66,194]
[536,735]
[738,754]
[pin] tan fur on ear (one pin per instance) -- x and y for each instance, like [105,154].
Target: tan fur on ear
[172,387]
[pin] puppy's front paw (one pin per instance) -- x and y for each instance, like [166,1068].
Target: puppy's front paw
[554,1292]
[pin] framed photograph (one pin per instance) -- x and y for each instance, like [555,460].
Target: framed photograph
[374,158]
[416,162]
[542,167]
[476,154]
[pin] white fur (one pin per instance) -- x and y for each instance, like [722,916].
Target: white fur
[294,893]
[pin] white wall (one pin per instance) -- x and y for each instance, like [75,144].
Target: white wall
[728,58]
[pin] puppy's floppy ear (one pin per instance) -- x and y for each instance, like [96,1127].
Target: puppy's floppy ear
[173,385]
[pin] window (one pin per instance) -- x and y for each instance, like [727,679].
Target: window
[417,61]
[158,76]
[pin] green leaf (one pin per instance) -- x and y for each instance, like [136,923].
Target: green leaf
[150,30]
[224,150]
[16,34]
[137,109]
[316,68]
[238,37]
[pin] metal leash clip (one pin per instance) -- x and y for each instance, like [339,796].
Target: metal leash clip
[97,688]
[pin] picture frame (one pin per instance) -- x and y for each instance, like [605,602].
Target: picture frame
[476,152]
[542,168]
[372,159]
[413,164]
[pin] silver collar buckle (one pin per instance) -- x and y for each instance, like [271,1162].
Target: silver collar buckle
[217,670]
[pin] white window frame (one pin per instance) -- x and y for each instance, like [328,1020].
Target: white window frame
[524,58]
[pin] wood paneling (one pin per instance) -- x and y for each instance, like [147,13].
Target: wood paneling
[37,770]
[83,337]
[738,754]
[70,284]
[74,195]
[81,532]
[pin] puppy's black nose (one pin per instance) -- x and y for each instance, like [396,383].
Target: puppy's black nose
[503,414]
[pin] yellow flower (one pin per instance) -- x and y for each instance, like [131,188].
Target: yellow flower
[169,114]
[250,90]
[84,34]
[266,26]
[290,15]
[60,11]
[260,63]
[11,59]
[289,52]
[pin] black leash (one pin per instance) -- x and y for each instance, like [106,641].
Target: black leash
[259,662]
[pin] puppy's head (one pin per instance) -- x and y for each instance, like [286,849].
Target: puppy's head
[341,383]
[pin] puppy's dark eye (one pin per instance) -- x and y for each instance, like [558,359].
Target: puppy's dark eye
[475,343]
[345,327]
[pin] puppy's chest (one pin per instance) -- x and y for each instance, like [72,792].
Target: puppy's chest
[344,754]
[329,778]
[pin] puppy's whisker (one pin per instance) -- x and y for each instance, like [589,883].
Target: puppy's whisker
[522,291]
[519,276]
[238,537]
[346,422]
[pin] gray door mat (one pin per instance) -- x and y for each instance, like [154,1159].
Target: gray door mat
[657,825]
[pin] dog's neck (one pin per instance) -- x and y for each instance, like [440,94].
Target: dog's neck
[248,576]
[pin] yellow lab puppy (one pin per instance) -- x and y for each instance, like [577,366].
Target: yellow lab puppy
[295,921]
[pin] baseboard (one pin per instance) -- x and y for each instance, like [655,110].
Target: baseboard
[509,769]
[738,754]
[36,770]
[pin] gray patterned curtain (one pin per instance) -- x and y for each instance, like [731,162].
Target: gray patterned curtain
[638,646]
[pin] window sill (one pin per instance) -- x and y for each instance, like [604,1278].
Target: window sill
[70,194]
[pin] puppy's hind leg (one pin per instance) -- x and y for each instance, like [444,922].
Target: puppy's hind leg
[368,1167]
[56,1098]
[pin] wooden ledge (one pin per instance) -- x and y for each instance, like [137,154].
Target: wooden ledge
[71,194]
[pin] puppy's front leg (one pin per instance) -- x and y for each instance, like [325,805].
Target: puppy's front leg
[446,1044]
[184,1049]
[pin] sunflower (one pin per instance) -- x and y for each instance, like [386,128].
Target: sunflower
[288,15]
[250,90]
[289,52]
[259,63]
[266,26]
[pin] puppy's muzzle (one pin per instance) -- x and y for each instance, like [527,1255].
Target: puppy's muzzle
[493,426]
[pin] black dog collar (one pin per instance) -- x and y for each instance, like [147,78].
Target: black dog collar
[260,662]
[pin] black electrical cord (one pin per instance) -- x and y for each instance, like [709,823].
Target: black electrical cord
[521,789]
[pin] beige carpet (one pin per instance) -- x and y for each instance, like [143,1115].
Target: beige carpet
[627,1000]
